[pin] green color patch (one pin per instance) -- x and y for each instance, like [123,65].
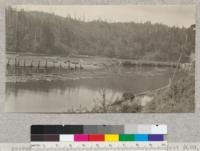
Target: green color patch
[126,137]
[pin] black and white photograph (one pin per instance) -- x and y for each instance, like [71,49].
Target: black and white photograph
[100,58]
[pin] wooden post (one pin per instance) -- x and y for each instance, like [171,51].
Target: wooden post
[15,62]
[60,67]
[69,68]
[31,64]
[18,69]
[8,63]
[172,65]
[24,68]
[24,63]
[18,63]
[38,66]
[136,65]
[7,69]
[80,67]
[75,67]
[15,66]
[46,64]
[46,67]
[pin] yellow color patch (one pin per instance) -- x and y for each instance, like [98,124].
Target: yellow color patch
[111,137]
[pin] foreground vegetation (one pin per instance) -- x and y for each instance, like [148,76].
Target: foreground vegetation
[178,98]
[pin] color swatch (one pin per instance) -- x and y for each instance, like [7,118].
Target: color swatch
[96,137]
[91,133]
[111,137]
[126,137]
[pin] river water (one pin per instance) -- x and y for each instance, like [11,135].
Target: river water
[81,94]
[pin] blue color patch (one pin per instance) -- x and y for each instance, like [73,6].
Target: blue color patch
[141,137]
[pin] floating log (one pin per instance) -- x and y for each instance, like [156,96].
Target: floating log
[148,64]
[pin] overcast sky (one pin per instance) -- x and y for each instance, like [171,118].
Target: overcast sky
[172,15]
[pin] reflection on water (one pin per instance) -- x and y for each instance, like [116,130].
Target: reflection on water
[63,96]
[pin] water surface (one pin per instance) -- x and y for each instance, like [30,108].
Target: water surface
[70,95]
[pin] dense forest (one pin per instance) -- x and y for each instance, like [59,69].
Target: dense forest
[44,33]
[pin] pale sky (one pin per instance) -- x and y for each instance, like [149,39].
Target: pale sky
[172,15]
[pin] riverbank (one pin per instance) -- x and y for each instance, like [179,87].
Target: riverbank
[176,98]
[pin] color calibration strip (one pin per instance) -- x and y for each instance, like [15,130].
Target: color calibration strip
[97,133]
[97,137]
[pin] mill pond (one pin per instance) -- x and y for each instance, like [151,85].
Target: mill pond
[67,64]
[76,84]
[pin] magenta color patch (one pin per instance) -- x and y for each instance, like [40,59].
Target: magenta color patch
[80,137]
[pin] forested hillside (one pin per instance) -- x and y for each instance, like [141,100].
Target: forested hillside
[43,33]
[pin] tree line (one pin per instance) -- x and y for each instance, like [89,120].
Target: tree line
[45,33]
